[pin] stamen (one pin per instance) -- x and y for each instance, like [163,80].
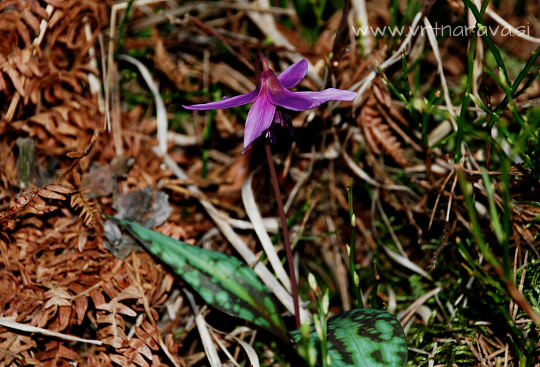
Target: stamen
[271,134]
[283,118]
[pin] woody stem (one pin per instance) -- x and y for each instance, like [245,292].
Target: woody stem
[285,229]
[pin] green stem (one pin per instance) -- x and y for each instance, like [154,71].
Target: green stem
[285,229]
[352,248]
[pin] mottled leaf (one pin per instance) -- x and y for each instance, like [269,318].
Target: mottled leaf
[222,281]
[364,338]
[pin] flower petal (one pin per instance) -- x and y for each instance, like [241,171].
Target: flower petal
[290,100]
[300,101]
[330,94]
[280,96]
[227,102]
[258,120]
[291,76]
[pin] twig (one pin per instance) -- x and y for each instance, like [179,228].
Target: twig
[201,196]
[435,47]
[364,176]
[285,229]
[200,7]
[496,17]
[388,225]
[33,329]
[223,40]
[93,82]
[447,218]
[405,315]
[432,216]
[300,183]
[202,327]
[478,54]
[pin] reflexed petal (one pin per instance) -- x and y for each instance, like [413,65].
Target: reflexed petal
[226,103]
[282,97]
[291,101]
[330,94]
[258,120]
[291,76]
[300,101]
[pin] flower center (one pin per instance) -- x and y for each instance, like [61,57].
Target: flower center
[271,83]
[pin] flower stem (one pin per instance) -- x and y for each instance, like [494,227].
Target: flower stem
[285,229]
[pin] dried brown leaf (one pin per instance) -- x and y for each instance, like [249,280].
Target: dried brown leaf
[89,210]
[46,193]
[116,307]
[62,189]
[15,347]
[114,335]
[28,201]
[147,333]
[165,63]
[15,78]
[80,302]
[57,297]
[82,239]
[131,292]
[97,297]
[57,354]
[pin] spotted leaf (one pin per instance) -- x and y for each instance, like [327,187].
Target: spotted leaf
[364,338]
[221,280]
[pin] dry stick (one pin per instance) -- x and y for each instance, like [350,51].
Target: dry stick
[8,323]
[223,40]
[285,229]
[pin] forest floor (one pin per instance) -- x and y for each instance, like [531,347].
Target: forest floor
[420,197]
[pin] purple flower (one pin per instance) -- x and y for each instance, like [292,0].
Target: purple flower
[271,92]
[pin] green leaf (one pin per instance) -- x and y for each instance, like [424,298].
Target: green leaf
[364,337]
[222,281]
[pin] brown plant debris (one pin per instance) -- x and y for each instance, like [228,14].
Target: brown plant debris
[376,129]
[65,268]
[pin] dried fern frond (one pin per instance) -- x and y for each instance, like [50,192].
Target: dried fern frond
[57,86]
[16,349]
[19,23]
[8,173]
[47,283]
[57,354]
[73,17]
[90,212]
[63,128]
[55,311]
[140,349]
[46,65]
[378,134]
[18,65]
